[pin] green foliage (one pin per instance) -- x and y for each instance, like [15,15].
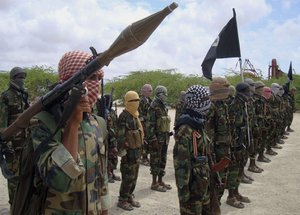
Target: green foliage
[40,78]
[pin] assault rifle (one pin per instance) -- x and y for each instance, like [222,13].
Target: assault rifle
[130,38]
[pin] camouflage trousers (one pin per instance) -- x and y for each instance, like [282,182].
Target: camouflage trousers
[13,165]
[129,171]
[158,159]
[222,150]
[194,207]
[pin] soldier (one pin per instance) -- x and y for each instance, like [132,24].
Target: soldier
[130,140]
[73,170]
[158,128]
[254,104]
[218,124]
[179,106]
[191,153]
[111,121]
[261,109]
[145,102]
[291,96]
[239,145]
[267,94]
[13,102]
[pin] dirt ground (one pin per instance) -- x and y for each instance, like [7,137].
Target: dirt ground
[276,191]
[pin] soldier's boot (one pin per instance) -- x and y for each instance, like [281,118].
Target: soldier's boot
[262,158]
[253,167]
[133,203]
[276,146]
[271,152]
[232,201]
[167,186]
[280,142]
[241,198]
[289,129]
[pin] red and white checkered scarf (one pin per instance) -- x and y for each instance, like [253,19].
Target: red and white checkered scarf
[70,63]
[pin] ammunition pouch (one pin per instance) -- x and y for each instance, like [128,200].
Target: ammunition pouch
[199,178]
[163,124]
[134,139]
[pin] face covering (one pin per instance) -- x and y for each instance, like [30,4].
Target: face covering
[19,83]
[93,91]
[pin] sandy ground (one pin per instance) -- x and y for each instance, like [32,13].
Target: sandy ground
[276,191]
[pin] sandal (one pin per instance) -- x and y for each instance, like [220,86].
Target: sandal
[125,205]
[167,186]
[135,204]
[234,203]
[241,198]
[254,169]
[158,188]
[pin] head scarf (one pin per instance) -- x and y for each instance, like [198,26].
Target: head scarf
[161,93]
[267,92]
[219,89]
[70,63]
[243,89]
[197,99]
[251,84]
[275,88]
[259,85]
[132,101]
[146,90]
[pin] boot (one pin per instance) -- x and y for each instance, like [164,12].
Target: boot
[276,146]
[289,129]
[271,152]
[253,167]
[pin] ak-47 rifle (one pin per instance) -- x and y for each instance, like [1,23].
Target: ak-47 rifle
[130,38]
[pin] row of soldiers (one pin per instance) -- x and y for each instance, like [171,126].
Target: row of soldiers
[216,132]
[236,124]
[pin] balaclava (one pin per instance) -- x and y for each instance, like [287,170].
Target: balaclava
[17,78]
[161,93]
[243,89]
[197,99]
[275,88]
[267,92]
[259,85]
[251,84]
[232,90]
[219,89]
[146,90]
[70,63]
[132,102]
[281,91]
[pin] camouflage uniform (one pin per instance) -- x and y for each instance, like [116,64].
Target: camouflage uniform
[292,110]
[13,102]
[218,124]
[130,140]
[158,128]
[179,106]
[75,187]
[143,110]
[191,155]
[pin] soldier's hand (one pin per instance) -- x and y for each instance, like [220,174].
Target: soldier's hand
[82,106]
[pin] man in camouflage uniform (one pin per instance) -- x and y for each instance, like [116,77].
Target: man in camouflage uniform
[73,166]
[238,117]
[145,102]
[292,110]
[158,129]
[254,104]
[261,109]
[13,102]
[218,124]
[191,154]
[267,93]
[179,106]
[111,121]
[130,140]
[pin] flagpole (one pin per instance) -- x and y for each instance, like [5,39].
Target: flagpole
[241,69]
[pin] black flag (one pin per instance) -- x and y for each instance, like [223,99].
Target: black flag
[226,45]
[290,73]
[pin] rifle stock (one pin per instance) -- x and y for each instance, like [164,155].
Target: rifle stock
[130,38]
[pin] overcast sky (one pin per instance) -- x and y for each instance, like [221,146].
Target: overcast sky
[39,32]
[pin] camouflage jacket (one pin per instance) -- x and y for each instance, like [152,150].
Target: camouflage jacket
[158,121]
[143,111]
[184,161]
[260,107]
[74,187]
[179,109]
[112,120]
[218,124]
[12,104]
[129,135]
